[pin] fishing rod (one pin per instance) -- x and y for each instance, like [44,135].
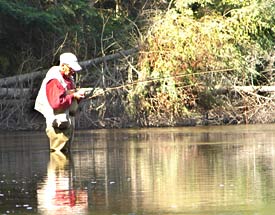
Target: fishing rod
[95,92]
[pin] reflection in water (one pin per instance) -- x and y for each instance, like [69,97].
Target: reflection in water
[178,171]
[57,194]
[23,163]
[226,170]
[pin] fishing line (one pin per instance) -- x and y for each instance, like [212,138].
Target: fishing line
[152,80]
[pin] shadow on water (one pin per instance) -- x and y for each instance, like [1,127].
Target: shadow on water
[226,170]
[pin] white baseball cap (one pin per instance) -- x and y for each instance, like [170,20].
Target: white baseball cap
[71,60]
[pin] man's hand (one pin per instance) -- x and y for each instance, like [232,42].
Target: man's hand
[79,95]
[88,92]
[82,91]
[69,92]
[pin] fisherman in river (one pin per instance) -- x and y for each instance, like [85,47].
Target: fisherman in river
[58,100]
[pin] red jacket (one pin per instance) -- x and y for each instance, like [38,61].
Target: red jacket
[57,94]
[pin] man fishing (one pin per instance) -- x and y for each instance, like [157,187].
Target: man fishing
[57,100]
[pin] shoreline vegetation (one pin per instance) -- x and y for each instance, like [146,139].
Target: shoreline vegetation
[163,63]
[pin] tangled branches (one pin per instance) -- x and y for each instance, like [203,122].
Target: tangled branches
[240,107]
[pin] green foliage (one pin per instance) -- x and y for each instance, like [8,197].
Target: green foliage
[35,32]
[28,16]
[205,43]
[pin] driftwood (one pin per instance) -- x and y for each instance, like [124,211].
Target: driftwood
[39,74]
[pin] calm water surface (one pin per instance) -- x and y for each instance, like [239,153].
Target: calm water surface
[226,170]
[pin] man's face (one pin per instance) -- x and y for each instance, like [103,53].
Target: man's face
[66,70]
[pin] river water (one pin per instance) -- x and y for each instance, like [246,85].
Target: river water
[225,170]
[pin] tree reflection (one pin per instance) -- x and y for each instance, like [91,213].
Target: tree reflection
[168,172]
[57,194]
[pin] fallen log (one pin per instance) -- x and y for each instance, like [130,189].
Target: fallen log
[39,74]
[14,103]
[6,92]
[261,89]
[14,92]
[21,78]
[255,89]
[117,55]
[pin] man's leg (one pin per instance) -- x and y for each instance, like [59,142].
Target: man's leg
[58,138]
[70,133]
[61,139]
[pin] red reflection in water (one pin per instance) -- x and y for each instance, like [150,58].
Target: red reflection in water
[57,194]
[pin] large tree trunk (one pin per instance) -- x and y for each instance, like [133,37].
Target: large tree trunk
[38,74]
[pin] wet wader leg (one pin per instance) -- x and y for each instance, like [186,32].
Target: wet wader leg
[61,139]
[57,138]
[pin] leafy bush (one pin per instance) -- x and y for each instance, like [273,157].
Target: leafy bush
[195,46]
